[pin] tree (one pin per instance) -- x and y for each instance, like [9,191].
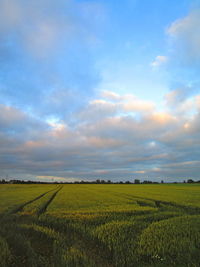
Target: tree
[136,181]
[147,182]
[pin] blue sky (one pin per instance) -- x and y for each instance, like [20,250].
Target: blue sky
[99,89]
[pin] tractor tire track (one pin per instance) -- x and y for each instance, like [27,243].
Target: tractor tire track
[20,207]
[45,206]
[159,203]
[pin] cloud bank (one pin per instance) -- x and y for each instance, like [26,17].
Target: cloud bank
[116,143]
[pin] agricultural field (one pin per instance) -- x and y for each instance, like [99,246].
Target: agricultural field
[100,225]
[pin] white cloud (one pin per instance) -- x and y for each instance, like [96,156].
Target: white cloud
[159,60]
[197,101]
[135,104]
[111,95]
[180,102]
[185,34]
[174,97]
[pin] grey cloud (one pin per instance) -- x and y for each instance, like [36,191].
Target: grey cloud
[40,24]
[15,123]
[46,54]
[186,37]
[154,146]
[184,64]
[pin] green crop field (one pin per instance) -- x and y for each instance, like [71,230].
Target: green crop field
[100,225]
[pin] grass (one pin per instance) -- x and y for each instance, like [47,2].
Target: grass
[175,240]
[5,254]
[100,225]
[12,196]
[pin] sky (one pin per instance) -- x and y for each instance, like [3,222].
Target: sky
[97,89]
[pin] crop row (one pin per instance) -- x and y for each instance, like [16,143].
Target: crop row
[147,232]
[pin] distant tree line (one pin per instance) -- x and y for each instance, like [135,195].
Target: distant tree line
[98,181]
[17,181]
